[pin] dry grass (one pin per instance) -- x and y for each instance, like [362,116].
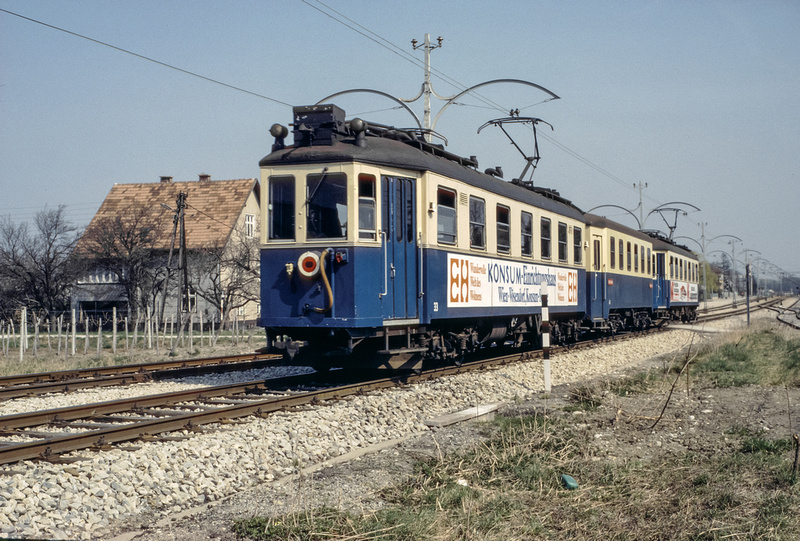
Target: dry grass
[510,485]
[47,359]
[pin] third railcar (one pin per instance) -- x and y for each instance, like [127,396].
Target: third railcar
[380,247]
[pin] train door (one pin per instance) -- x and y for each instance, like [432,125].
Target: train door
[401,275]
[660,292]
[597,287]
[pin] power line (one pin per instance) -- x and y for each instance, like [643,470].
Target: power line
[160,63]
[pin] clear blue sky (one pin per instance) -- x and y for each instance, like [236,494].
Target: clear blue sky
[700,100]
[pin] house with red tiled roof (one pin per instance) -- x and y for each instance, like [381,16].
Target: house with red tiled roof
[154,245]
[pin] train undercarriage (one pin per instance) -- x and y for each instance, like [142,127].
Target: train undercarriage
[451,341]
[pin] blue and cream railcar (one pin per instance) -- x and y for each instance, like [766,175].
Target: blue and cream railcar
[677,280]
[620,276]
[380,243]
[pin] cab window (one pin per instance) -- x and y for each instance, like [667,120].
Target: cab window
[326,198]
[281,208]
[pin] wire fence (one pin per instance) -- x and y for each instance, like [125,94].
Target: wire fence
[74,333]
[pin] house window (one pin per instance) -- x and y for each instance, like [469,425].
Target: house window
[503,229]
[281,208]
[250,225]
[526,225]
[562,241]
[577,240]
[545,236]
[613,253]
[477,222]
[326,195]
[366,207]
[192,295]
[446,209]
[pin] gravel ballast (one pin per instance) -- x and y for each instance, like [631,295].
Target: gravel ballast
[105,493]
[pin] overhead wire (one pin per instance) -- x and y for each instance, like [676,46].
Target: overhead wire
[378,39]
[488,103]
[147,58]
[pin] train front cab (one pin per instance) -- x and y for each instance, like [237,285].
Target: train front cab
[326,285]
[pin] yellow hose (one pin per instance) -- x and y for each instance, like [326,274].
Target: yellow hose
[326,282]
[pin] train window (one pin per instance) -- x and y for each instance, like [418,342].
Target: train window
[577,240]
[621,255]
[326,198]
[366,206]
[503,229]
[477,222]
[671,267]
[562,241]
[526,224]
[545,237]
[410,232]
[613,253]
[649,268]
[635,258]
[398,209]
[641,254]
[281,208]
[629,257]
[596,258]
[446,209]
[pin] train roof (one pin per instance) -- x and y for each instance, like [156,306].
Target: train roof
[659,243]
[400,149]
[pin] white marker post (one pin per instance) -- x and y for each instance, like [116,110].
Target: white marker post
[546,343]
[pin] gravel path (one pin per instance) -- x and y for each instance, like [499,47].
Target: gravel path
[107,493]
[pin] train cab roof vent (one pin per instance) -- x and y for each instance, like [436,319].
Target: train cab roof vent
[318,125]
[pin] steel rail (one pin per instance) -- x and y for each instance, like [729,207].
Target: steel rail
[65,375]
[52,447]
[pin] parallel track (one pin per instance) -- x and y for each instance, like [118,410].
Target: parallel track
[145,418]
[71,380]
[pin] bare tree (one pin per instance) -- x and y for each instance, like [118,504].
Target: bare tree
[36,267]
[227,277]
[126,245]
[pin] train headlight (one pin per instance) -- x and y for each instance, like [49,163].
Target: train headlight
[308,264]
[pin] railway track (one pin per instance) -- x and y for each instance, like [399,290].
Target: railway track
[71,380]
[49,434]
[740,309]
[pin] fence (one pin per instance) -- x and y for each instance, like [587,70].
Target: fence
[69,336]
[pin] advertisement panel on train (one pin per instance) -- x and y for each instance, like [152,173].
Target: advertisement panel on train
[684,292]
[479,281]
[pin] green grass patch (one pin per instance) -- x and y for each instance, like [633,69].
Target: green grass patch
[762,357]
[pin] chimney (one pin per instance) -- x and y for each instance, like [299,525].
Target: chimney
[166,179]
[204,177]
